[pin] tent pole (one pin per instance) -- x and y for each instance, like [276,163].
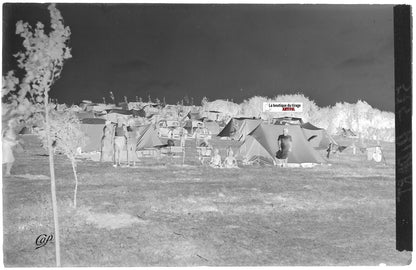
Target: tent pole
[113,143]
[127,151]
[384,158]
[183,156]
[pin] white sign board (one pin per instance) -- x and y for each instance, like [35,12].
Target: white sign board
[282,107]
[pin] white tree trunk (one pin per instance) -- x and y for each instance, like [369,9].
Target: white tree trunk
[53,186]
[76,182]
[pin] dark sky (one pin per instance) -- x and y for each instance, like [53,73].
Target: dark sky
[330,53]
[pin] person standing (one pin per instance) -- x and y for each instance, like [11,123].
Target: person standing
[284,143]
[183,137]
[9,140]
[107,142]
[354,148]
[120,143]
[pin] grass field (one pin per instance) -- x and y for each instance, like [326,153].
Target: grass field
[165,214]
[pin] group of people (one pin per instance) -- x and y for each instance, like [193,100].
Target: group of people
[115,140]
[284,143]
[216,161]
[229,162]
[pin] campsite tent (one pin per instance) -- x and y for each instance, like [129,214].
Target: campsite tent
[93,121]
[347,133]
[261,145]
[117,115]
[119,111]
[84,114]
[239,128]
[213,115]
[93,129]
[287,121]
[212,127]
[317,137]
[26,130]
[139,113]
[194,115]
[147,139]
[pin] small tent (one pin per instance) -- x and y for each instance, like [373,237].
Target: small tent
[93,129]
[212,127]
[26,130]
[194,115]
[348,133]
[261,144]
[287,121]
[239,128]
[147,137]
[317,137]
[93,121]
[84,114]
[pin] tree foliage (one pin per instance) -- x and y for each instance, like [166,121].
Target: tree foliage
[42,60]
[66,132]
[64,126]
[43,56]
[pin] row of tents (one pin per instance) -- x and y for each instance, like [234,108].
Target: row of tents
[239,128]
[259,139]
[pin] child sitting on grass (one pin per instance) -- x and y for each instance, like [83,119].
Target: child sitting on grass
[216,159]
[230,161]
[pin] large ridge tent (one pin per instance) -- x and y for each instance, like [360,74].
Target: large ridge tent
[147,138]
[261,145]
[93,129]
[317,137]
[239,128]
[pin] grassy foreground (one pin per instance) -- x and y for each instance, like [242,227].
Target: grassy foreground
[165,214]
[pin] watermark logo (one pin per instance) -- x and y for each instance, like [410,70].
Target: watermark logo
[282,107]
[42,240]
